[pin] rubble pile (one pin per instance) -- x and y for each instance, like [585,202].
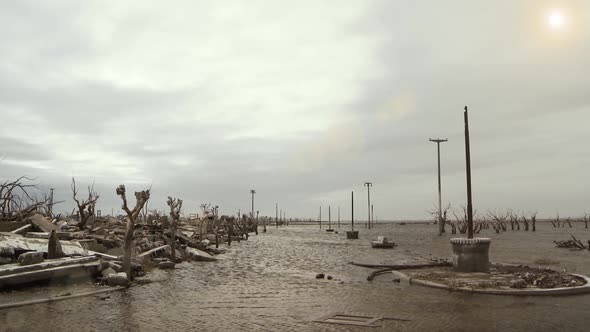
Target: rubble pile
[37,248]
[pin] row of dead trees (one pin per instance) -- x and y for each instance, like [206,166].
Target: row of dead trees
[559,223]
[498,221]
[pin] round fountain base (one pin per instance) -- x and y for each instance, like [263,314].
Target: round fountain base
[471,255]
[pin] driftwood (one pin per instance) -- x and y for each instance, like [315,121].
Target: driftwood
[402,266]
[387,268]
[573,243]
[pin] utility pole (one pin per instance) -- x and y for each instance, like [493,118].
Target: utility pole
[441,225]
[51,202]
[252,191]
[468,169]
[277,215]
[372,216]
[369,185]
[329,218]
[352,208]
[320,217]
[338,217]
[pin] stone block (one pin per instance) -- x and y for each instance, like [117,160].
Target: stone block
[29,258]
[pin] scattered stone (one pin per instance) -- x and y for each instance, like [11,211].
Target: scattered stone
[106,272]
[320,276]
[166,265]
[397,280]
[518,283]
[330,277]
[118,279]
[32,257]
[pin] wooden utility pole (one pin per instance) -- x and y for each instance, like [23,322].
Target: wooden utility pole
[320,217]
[338,217]
[277,215]
[441,225]
[468,169]
[329,217]
[352,208]
[369,185]
[372,216]
[252,192]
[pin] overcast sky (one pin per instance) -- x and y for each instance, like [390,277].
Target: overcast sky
[302,101]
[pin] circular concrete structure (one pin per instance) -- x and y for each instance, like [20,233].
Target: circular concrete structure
[495,291]
[471,255]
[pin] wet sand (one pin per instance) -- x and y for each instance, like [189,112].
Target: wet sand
[268,284]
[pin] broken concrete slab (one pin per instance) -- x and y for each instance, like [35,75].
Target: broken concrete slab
[13,242]
[199,255]
[12,275]
[43,223]
[156,252]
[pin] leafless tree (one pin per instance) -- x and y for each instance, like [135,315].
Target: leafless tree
[86,206]
[498,220]
[141,197]
[16,203]
[175,205]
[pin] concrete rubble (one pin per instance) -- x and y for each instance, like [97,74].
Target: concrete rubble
[38,249]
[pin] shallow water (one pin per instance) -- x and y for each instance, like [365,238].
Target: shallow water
[268,284]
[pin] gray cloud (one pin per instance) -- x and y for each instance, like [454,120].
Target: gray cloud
[206,101]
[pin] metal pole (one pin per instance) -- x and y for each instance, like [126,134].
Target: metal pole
[468,169]
[441,225]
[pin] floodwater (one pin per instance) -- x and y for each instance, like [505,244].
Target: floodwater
[268,284]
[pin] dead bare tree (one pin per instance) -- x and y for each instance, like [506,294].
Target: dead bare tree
[86,206]
[141,197]
[15,201]
[525,221]
[534,221]
[498,220]
[175,205]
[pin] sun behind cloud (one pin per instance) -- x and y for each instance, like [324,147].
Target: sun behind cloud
[556,19]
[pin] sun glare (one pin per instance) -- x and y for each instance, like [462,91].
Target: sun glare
[555,20]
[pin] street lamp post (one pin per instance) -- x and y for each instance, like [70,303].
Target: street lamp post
[441,225]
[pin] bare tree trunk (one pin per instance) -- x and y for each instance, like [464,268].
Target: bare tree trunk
[128,247]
